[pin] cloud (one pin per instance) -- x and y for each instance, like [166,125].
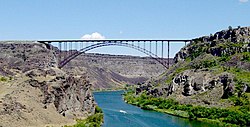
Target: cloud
[243,1]
[93,36]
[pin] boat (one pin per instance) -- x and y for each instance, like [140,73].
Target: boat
[122,111]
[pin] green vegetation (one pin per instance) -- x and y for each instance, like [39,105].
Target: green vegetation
[242,100]
[230,117]
[197,52]
[246,57]
[241,76]
[206,63]
[92,121]
[230,45]
[95,120]
[98,109]
[5,79]
[224,58]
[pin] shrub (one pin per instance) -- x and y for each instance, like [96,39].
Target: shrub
[98,109]
[196,53]
[224,58]
[209,63]
[95,120]
[3,79]
[205,64]
[246,57]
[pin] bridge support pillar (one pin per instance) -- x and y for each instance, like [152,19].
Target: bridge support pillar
[168,55]
[60,51]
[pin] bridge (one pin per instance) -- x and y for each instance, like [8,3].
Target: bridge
[67,52]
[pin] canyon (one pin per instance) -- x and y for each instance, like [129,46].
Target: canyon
[35,92]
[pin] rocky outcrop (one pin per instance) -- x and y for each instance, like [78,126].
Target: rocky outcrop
[237,35]
[32,102]
[191,82]
[70,95]
[225,42]
[25,56]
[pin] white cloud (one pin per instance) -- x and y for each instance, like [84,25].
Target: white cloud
[243,1]
[93,36]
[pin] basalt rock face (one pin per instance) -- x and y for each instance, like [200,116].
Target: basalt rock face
[193,82]
[114,71]
[128,66]
[34,92]
[24,56]
[70,95]
[207,70]
[225,42]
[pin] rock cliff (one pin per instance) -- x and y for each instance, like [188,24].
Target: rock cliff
[208,70]
[24,56]
[34,92]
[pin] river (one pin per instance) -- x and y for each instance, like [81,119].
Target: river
[117,113]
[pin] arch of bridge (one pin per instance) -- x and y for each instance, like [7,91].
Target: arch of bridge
[103,44]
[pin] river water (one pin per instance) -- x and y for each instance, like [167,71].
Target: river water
[117,113]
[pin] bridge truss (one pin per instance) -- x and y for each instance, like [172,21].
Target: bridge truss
[70,49]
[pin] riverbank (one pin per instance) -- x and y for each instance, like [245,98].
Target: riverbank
[217,116]
[108,90]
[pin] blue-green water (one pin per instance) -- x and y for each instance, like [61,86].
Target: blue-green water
[113,106]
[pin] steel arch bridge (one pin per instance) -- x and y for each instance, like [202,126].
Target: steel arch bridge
[68,53]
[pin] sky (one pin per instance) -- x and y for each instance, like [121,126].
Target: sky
[119,19]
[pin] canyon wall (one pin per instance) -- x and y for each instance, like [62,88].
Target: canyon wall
[34,92]
[114,71]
